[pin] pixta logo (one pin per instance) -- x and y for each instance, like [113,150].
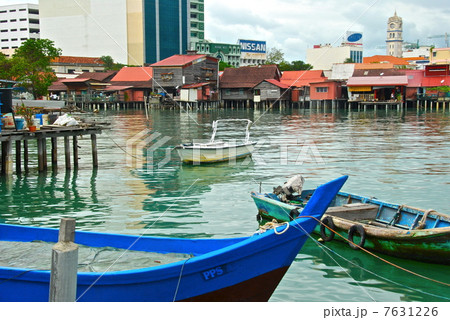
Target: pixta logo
[144,150]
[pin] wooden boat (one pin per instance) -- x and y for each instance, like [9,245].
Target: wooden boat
[216,150]
[397,230]
[236,269]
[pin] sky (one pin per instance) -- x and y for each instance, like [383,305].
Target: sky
[293,26]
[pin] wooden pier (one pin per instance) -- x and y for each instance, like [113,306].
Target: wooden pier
[22,137]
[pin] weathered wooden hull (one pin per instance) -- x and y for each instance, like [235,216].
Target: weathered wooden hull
[210,153]
[395,230]
[236,269]
[422,245]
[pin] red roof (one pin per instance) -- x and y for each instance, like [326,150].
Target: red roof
[180,60]
[378,81]
[385,59]
[195,85]
[134,74]
[302,78]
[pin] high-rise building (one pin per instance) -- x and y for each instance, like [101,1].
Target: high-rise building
[134,32]
[394,39]
[197,24]
[18,23]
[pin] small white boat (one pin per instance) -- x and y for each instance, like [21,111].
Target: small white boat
[217,151]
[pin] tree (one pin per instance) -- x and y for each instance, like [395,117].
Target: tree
[109,63]
[5,67]
[294,66]
[31,65]
[275,56]
[223,65]
[349,60]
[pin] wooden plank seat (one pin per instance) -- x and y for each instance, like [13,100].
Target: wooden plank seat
[354,211]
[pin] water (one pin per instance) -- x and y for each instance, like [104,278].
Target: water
[400,157]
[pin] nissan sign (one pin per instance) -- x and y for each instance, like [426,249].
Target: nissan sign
[252,46]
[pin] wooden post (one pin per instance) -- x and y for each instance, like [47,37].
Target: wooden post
[67,151]
[54,153]
[41,154]
[25,155]
[18,157]
[7,165]
[63,278]
[75,151]
[94,150]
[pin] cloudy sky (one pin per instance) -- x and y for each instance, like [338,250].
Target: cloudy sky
[296,25]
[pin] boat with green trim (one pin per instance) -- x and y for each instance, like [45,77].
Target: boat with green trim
[366,222]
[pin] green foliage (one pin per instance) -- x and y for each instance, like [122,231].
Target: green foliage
[30,65]
[5,67]
[349,60]
[224,65]
[440,89]
[294,66]
[110,65]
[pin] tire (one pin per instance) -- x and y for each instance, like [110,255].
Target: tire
[293,214]
[327,222]
[356,228]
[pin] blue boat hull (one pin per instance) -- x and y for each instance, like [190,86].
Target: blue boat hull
[239,269]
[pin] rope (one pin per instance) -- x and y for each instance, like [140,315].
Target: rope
[16,276]
[273,225]
[378,257]
[179,280]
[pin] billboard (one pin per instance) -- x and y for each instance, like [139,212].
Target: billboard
[253,46]
[353,37]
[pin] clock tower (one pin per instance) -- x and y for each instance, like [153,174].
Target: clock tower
[394,39]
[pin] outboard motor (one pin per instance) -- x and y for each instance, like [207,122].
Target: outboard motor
[289,188]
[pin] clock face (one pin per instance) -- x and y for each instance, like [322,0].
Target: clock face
[392,25]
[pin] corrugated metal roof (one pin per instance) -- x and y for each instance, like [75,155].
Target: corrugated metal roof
[180,60]
[98,76]
[195,85]
[248,77]
[378,81]
[389,59]
[302,78]
[134,74]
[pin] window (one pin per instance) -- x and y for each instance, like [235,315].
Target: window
[193,15]
[227,92]
[322,89]
[13,20]
[257,92]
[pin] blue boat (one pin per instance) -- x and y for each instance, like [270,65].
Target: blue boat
[365,222]
[235,269]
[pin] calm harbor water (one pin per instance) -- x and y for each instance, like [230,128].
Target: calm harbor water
[397,156]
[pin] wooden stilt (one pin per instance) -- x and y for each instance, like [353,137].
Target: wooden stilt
[75,151]
[18,157]
[54,152]
[25,155]
[67,152]
[94,150]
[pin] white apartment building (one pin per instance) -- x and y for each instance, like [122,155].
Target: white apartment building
[18,23]
[322,57]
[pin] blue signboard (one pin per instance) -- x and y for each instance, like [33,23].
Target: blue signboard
[253,46]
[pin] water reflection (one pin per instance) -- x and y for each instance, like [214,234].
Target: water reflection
[46,197]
